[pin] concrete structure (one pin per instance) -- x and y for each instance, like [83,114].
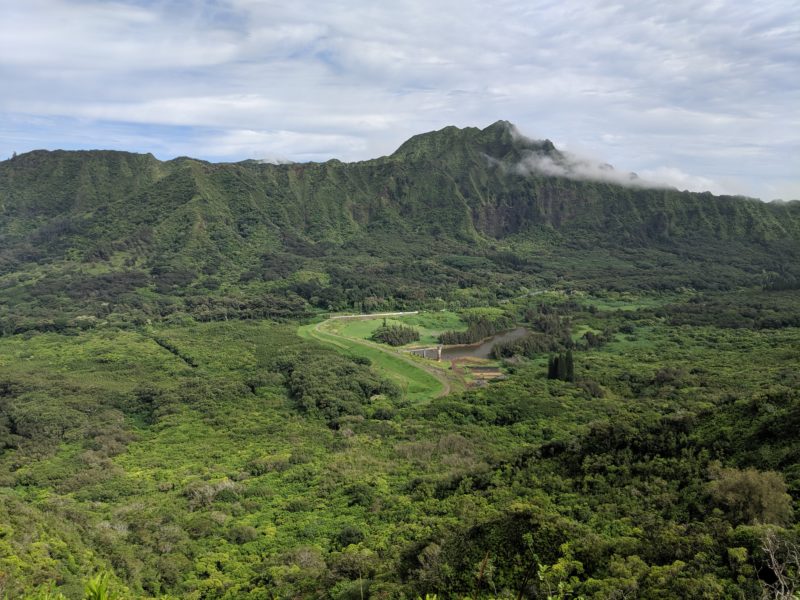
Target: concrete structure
[429,353]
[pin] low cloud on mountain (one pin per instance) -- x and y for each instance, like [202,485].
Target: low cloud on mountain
[576,167]
[670,89]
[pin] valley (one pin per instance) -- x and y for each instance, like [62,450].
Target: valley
[192,404]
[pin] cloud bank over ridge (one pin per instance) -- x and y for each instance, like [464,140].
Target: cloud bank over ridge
[702,95]
[573,166]
[546,159]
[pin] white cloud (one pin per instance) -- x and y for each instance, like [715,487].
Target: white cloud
[574,166]
[783,189]
[100,36]
[674,177]
[707,89]
[280,144]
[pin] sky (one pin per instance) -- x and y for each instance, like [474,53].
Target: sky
[698,95]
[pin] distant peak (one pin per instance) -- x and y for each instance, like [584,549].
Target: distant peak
[497,140]
[502,125]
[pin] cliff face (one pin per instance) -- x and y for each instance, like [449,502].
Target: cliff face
[452,192]
[460,183]
[509,183]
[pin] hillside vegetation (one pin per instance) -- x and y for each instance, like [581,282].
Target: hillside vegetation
[180,419]
[111,236]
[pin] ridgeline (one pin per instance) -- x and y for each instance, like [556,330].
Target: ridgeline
[125,234]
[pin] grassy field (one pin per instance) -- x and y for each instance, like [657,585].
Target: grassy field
[416,381]
[628,301]
[428,324]
[579,331]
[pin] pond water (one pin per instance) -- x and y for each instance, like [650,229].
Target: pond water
[482,349]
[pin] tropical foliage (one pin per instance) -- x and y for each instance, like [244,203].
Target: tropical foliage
[178,419]
[395,335]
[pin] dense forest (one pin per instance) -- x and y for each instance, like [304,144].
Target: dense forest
[180,418]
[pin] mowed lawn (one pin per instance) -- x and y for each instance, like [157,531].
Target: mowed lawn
[417,383]
[428,324]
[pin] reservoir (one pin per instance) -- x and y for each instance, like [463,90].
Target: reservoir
[482,349]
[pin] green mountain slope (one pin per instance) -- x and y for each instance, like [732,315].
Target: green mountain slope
[173,424]
[456,203]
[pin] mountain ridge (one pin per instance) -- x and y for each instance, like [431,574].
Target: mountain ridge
[464,170]
[184,224]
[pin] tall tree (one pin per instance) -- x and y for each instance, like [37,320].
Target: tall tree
[561,365]
[570,366]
